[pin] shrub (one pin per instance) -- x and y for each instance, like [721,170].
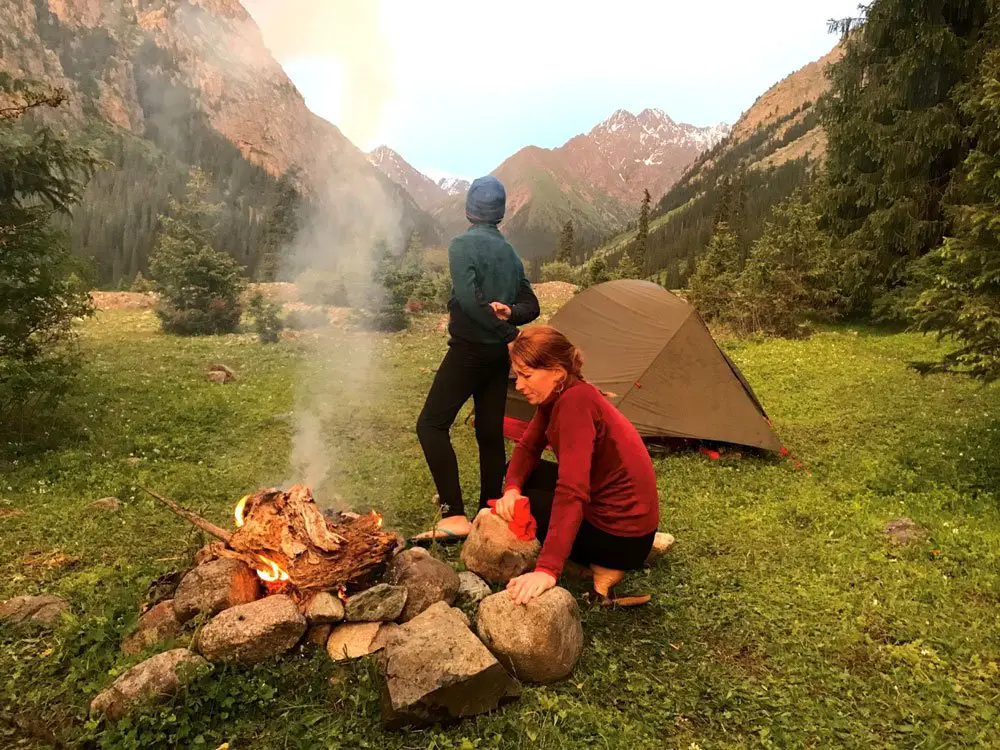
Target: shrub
[560,270]
[267,319]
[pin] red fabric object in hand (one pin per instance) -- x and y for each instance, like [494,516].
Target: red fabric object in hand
[523,524]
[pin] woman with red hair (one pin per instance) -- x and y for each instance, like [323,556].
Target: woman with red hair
[604,510]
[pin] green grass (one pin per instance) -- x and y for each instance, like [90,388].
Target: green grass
[782,618]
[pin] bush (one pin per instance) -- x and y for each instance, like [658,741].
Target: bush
[432,293]
[199,286]
[323,288]
[560,270]
[306,320]
[267,319]
[141,284]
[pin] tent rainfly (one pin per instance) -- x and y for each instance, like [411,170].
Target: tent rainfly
[651,352]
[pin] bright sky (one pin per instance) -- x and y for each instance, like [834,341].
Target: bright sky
[456,86]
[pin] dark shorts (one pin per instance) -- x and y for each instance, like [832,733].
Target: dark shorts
[592,546]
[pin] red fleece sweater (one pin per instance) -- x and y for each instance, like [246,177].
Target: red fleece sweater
[605,473]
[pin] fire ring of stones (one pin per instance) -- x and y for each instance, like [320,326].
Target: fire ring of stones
[290,575]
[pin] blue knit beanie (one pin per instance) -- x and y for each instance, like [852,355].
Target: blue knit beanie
[486,201]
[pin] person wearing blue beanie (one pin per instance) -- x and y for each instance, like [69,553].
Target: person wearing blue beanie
[490,297]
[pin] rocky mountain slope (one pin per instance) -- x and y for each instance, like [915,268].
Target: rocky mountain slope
[193,80]
[772,150]
[427,193]
[595,179]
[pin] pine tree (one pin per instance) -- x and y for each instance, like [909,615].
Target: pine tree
[41,177]
[565,249]
[963,299]
[628,267]
[714,280]
[642,237]
[199,286]
[895,137]
[281,227]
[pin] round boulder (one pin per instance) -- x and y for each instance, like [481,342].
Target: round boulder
[255,632]
[215,586]
[494,552]
[426,579]
[537,642]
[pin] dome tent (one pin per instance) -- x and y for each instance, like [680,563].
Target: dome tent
[652,354]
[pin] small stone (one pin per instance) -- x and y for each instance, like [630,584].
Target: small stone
[45,609]
[215,586]
[494,552]
[434,668]
[353,640]
[381,603]
[254,632]
[471,590]
[662,544]
[158,624]
[106,503]
[904,531]
[324,609]
[426,579]
[319,634]
[539,641]
[150,682]
[220,374]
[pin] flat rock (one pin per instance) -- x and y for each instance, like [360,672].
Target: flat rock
[471,589]
[381,603]
[494,552]
[150,682]
[352,640]
[434,668]
[426,579]
[324,609]
[254,632]
[215,586]
[662,544]
[45,609]
[157,625]
[904,531]
[106,503]
[537,642]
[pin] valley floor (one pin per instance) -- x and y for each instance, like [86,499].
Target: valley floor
[782,618]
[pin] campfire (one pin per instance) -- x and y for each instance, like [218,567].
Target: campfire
[297,550]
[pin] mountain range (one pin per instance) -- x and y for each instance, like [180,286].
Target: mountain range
[596,179]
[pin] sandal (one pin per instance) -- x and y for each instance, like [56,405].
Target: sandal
[617,600]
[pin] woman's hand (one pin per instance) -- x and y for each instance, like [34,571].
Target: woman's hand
[530,586]
[501,310]
[505,505]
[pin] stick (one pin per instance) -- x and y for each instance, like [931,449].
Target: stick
[187,515]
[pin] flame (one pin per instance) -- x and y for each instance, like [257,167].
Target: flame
[274,574]
[378,520]
[240,506]
[342,594]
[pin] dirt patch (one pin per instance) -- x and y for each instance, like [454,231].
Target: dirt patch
[10,513]
[554,294]
[51,559]
[123,300]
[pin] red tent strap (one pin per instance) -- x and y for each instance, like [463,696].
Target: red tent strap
[798,464]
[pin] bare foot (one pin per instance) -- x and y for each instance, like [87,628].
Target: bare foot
[450,528]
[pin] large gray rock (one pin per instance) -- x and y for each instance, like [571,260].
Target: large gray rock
[434,668]
[381,603]
[250,633]
[426,579]
[150,682]
[539,641]
[324,609]
[471,590]
[45,609]
[215,586]
[493,552]
[157,625]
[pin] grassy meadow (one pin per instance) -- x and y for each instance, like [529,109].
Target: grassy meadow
[783,617]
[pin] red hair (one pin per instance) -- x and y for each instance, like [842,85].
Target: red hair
[544,348]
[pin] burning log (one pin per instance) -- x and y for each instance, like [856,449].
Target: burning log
[293,547]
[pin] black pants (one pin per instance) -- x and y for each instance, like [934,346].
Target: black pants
[479,371]
[591,545]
